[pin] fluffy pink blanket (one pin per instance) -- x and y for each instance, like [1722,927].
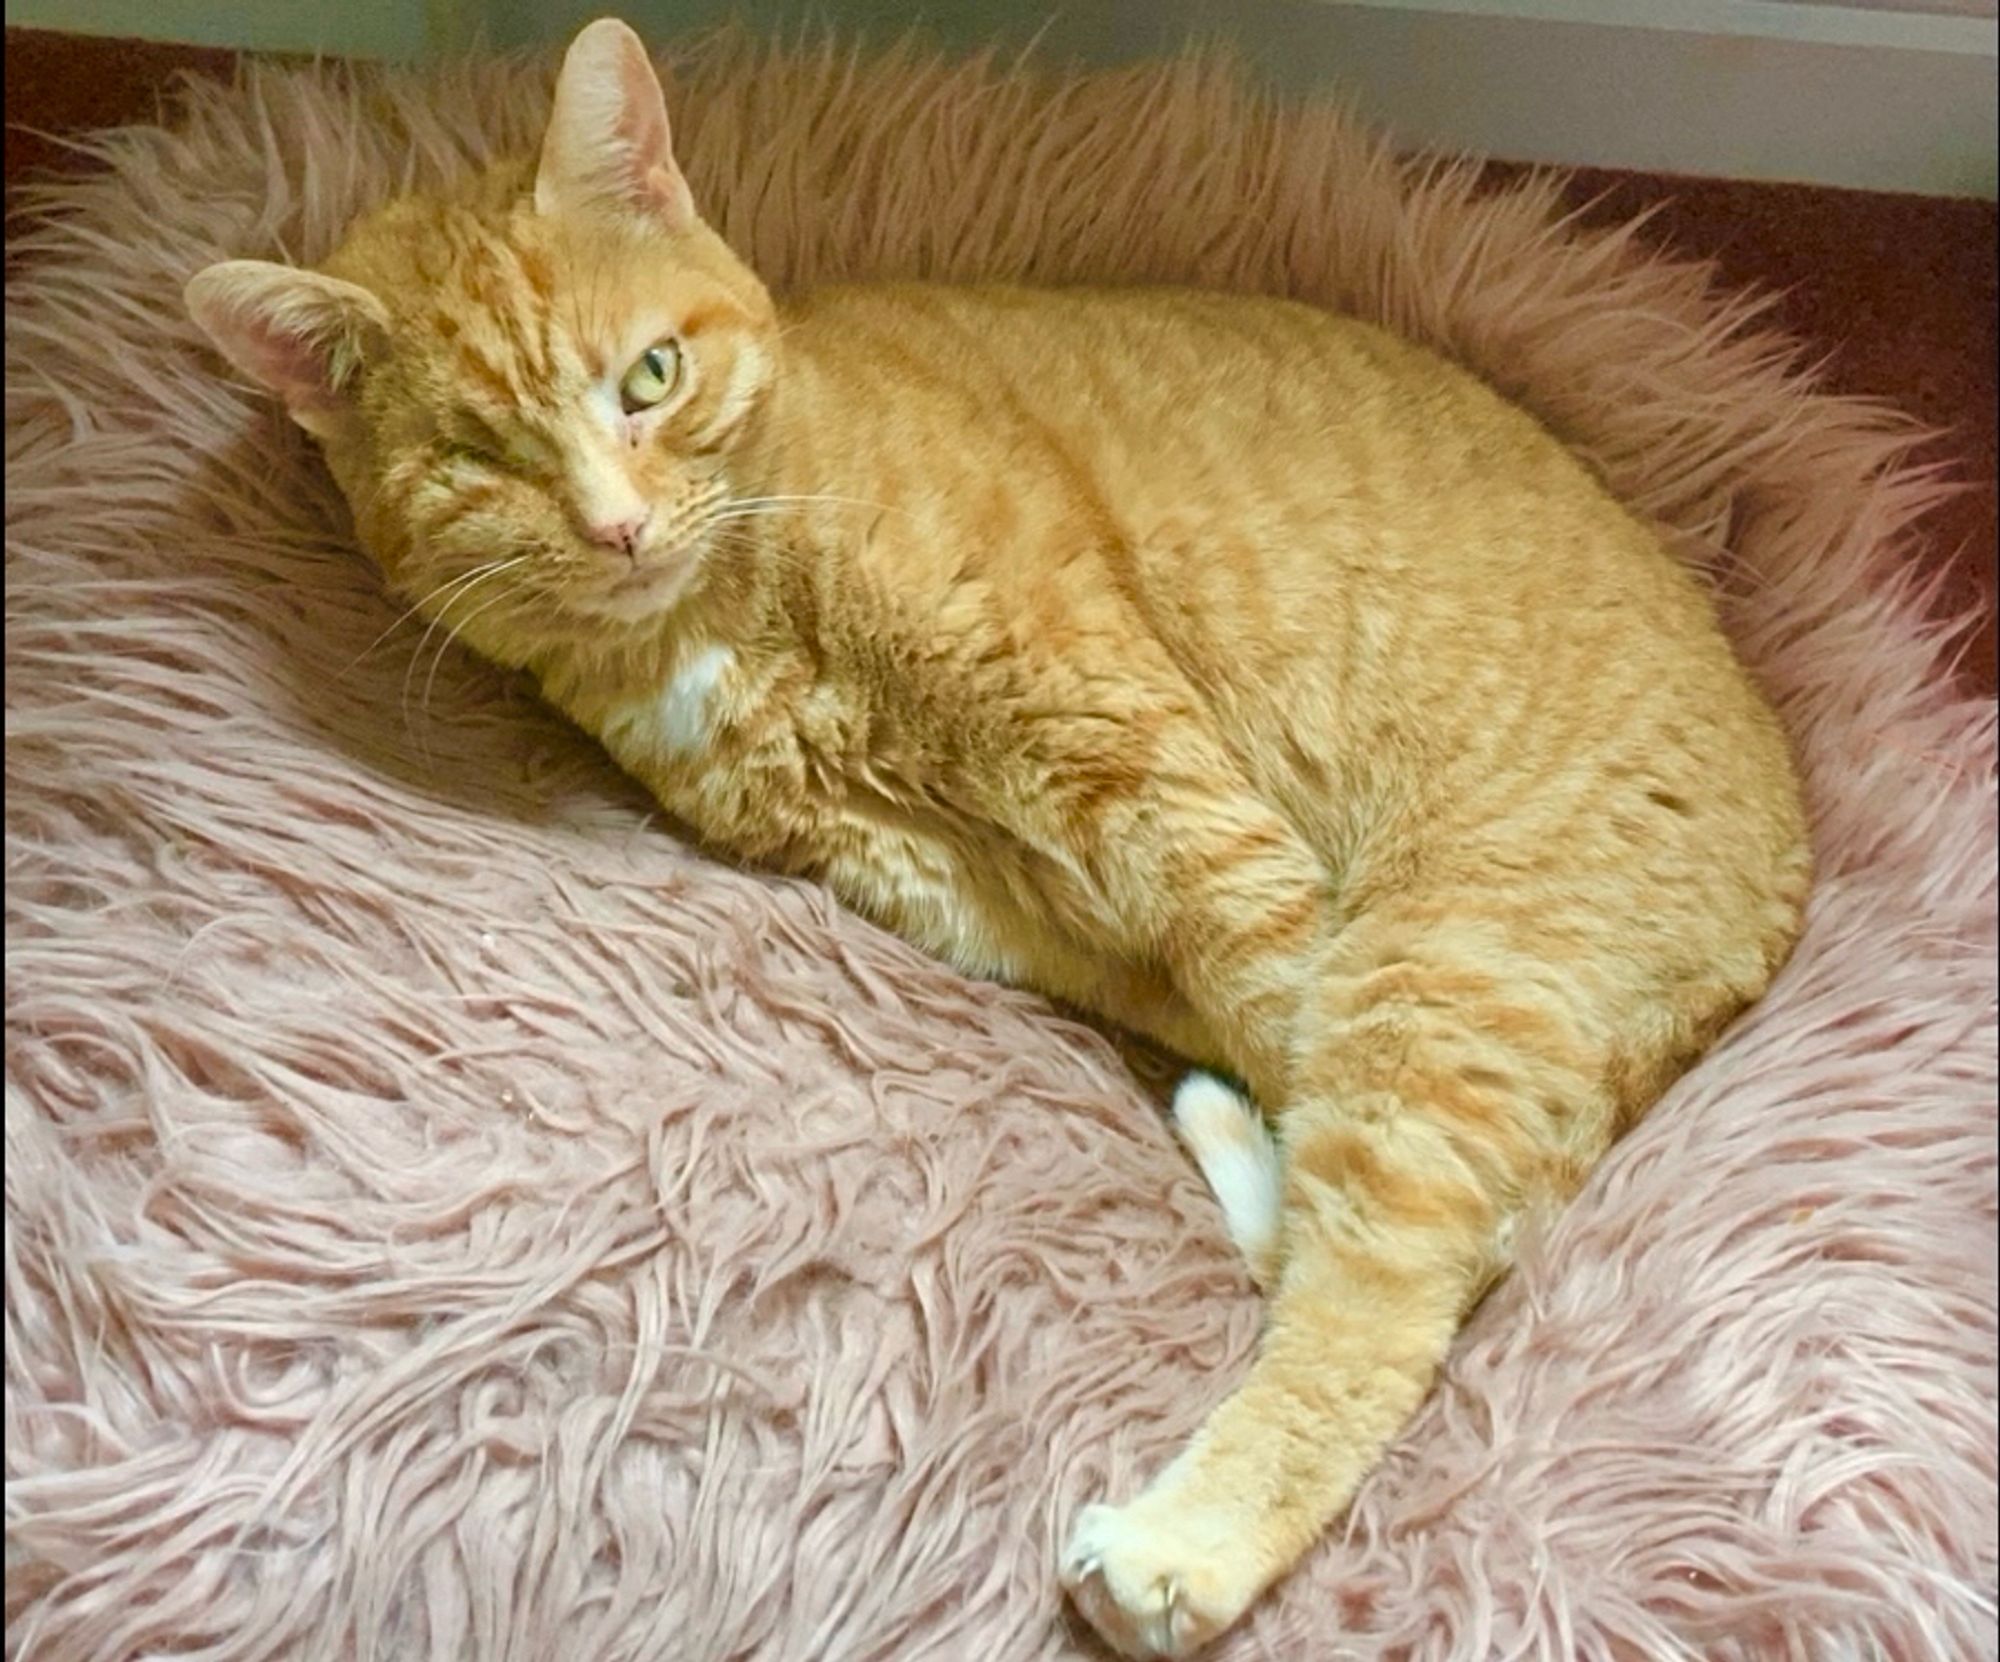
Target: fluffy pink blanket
[448,1216]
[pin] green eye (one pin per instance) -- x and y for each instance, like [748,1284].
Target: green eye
[652,377]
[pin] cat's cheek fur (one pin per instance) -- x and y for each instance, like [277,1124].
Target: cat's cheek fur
[742,383]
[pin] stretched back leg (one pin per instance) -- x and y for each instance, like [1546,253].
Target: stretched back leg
[1448,1074]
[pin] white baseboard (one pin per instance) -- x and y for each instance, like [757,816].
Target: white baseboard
[1902,25]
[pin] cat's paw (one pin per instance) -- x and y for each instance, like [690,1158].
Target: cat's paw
[1152,1583]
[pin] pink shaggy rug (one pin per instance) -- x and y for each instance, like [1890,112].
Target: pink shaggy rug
[448,1217]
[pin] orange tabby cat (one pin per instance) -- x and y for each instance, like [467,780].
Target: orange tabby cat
[1233,670]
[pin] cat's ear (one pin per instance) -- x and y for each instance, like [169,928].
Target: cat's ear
[608,144]
[296,332]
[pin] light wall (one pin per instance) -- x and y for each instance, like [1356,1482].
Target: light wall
[1879,94]
[1878,98]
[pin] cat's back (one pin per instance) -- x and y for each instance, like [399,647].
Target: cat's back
[1185,414]
[1362,554]
[1177,367]
[1231,452]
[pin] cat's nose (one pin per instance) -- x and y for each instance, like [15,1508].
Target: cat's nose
[622,532]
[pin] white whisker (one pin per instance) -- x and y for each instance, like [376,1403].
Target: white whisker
[444,646]
[464,577]
[464,588]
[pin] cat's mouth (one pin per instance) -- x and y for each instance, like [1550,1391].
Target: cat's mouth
[643,581]
[648,588]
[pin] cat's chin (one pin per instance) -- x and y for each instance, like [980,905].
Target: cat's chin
[637,597]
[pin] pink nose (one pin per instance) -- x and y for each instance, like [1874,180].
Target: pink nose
[622,534]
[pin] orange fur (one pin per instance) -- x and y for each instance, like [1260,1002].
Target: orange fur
[1236,671]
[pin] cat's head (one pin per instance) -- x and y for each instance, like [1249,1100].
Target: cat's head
[538,396]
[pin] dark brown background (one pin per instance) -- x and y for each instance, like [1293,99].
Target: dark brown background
[1897,292]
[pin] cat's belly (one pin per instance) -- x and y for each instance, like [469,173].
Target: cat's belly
[962,892]
[984,915]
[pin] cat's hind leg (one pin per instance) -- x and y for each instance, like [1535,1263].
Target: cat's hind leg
[1236,1152]
[1360,1317]
[1445,1080]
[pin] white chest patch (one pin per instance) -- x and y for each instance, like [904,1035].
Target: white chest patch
[676,721]
[687,707]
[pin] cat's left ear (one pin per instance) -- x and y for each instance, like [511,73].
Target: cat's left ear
[608,144]
[303,335]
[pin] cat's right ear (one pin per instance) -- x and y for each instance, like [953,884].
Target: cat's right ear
[608,146]
[302,335]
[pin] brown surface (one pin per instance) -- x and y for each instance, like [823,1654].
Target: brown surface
[62,83]
[1899,289]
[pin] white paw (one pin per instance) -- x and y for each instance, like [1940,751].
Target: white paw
[1152,1587]
[1238,1155]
